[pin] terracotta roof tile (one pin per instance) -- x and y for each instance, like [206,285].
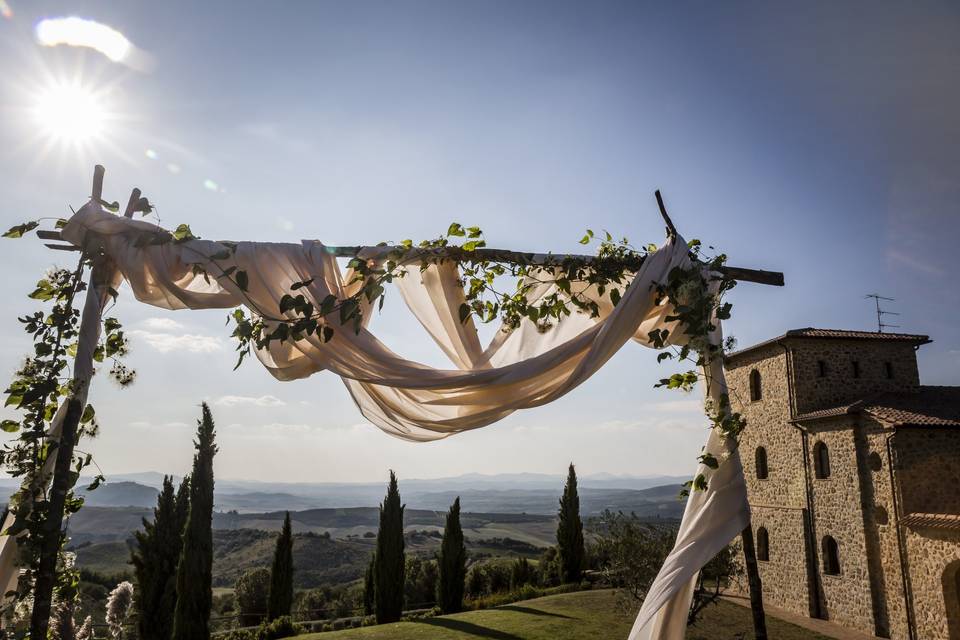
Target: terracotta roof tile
[928,407]
[843,334]
[947,521]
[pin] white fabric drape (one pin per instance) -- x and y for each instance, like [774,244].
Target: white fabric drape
[519,369]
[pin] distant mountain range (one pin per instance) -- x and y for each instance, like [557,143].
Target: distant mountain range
[502,493]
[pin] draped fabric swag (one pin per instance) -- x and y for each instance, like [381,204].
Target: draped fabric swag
[518,369]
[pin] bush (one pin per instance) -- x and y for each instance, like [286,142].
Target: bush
[282,627]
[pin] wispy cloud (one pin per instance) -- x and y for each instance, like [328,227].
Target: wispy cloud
[167,342]
[256,401]
[913,262]
[162,324]
[678,406]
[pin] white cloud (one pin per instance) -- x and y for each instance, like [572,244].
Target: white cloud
[678,406]
[165,342]
[162,324]
[260,401]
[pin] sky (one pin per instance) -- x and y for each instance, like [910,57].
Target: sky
[819,139]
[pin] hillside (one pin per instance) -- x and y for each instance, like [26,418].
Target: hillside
[505,493]
[571,616]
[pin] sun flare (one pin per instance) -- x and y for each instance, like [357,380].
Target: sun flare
[69,112]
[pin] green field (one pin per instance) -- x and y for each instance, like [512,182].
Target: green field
[569,616]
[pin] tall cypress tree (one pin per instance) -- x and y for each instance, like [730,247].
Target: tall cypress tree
[369,588]
[453,563]
[388,568]
[281,574]
[155,566]
[570,531]
[191,616]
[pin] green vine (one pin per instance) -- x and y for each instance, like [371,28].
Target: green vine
[39,387]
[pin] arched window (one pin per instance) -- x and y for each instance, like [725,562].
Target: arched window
[756,391]
[821,460]
[761,459]
[831,556]
[763,544]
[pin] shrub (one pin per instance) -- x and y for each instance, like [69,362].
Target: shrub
[282,627]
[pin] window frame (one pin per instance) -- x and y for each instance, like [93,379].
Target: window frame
[763,544]
[830,556]
[821,460]
[761,462]
[756,386]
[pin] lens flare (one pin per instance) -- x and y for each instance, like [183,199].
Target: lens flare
[77,32]
[69,113]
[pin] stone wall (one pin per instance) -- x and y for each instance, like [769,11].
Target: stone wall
[933,558]
[784,575]
[838,384]
[845,598]
[928,469]
[881,527]
[777,503]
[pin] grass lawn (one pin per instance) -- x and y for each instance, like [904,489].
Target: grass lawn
[568,616]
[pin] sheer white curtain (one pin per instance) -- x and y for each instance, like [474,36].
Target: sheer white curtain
[518,369]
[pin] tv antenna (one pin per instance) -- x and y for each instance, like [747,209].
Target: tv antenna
[881,325]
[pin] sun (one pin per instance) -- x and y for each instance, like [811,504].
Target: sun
[70,113]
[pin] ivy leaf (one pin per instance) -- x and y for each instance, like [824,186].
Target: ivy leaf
[88,414]
[183,233]
[710,461]
[326,333]
[97,481]
[473,245]
[20,229]
[298,285]
[664,355]
[243,281]
[10,426]
[615,296]
[455,230]
[464,312]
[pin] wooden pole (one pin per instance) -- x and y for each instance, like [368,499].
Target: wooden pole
[753,579]
[101,278]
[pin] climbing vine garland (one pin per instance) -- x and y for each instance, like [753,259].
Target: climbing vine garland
[38,389]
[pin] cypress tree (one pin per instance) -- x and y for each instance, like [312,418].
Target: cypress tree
[281,575]
[155,566]
[570,531]
[191,616]
[453,563]
[369,588]
[388,568]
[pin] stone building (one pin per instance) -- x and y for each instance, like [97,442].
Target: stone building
[853,476]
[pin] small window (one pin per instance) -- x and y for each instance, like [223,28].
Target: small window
[880,515]
[763,544]
[756,390]
[856,368]
[761,459]
[831,556]
[821,460]
[888,370]
[821,368]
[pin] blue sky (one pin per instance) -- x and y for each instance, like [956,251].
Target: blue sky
[819,139]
